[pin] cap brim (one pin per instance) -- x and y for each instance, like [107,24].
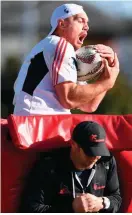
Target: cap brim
[52,30]
[98,150]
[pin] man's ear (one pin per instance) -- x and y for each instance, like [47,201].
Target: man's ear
[61,23]
[74,144]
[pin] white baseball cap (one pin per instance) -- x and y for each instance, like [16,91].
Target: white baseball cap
[62,12]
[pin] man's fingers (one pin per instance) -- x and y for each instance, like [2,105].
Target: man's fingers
[106,55]
[105,52]
[116,61]
[105,62]
[103,48]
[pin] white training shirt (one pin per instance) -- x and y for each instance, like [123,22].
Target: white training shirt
[50,62]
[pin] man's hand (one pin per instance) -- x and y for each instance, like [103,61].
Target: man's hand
[87,203]
[80,204]
[105,52]
[110,72]
[94,203]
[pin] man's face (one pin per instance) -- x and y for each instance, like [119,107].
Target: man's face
[75,30]
[80,158]
[87,161]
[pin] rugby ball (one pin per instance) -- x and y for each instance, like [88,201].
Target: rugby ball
[89,63]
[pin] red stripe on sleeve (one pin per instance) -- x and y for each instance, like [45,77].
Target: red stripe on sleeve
[61,60]
[56,58]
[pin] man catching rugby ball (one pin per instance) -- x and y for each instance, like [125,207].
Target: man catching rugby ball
[47,81]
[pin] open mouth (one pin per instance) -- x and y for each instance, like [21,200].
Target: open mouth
[82,37]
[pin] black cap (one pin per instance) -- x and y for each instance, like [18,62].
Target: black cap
[90,136]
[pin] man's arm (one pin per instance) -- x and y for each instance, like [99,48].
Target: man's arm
[72,95]
[37,186]
[41,194]
[112,191]
[93,104]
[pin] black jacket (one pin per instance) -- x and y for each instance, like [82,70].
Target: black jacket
[50,186]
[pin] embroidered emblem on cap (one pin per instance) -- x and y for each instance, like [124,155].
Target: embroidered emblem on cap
[93,138]
[66,10]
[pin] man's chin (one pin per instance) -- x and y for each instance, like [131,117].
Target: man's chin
[89,166]
[78,46]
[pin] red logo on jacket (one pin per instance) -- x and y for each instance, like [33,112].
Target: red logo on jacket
[64,189]
[96,187]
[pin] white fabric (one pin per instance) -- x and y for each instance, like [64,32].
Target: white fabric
[59,57]
[62,12]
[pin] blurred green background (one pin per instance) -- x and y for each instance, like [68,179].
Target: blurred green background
[24,23]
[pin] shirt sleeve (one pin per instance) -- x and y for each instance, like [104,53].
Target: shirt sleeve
[62,62]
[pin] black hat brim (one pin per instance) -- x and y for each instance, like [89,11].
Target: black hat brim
[97,150]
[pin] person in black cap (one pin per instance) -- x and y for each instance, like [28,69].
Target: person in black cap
[80,178]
